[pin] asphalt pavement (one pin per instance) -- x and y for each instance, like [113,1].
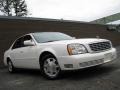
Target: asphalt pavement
[105,77]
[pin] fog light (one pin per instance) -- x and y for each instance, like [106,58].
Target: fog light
[68,65]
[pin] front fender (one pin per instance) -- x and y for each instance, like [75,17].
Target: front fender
[49,50]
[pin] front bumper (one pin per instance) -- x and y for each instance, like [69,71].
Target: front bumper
[74,62]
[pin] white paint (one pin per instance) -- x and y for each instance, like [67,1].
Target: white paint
[28,57]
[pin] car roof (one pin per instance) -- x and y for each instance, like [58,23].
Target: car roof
[46,32]
[43,32]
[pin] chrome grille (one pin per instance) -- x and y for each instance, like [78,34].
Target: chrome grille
[91,63]
[100,46]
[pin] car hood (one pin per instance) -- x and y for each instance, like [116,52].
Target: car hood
[81,41]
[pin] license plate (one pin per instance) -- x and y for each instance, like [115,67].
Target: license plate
[108,56]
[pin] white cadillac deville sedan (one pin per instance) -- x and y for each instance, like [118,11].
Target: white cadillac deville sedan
[53,52]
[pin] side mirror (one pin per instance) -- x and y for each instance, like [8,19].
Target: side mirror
[29,43]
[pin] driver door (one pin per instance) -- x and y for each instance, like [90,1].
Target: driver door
[24,56]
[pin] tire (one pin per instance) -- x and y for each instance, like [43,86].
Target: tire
[11,68]
[50,67]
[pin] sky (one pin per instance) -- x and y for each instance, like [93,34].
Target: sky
[79,10]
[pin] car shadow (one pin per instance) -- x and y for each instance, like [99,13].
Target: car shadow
[87,73]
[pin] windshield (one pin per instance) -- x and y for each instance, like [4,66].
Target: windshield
[43,37]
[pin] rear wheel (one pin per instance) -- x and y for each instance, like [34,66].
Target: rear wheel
[11,68]
[50,67]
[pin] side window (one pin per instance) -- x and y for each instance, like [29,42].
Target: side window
[27,37]
[20,42]
[17,44]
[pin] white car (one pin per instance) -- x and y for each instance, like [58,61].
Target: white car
[53,52]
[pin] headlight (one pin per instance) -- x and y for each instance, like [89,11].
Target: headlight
[76,48]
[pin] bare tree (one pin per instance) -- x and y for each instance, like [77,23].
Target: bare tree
[13,7]
[6,7]
[20,7]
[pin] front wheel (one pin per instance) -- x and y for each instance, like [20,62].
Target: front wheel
[50,67]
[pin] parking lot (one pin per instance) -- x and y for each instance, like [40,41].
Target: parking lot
[105,77]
